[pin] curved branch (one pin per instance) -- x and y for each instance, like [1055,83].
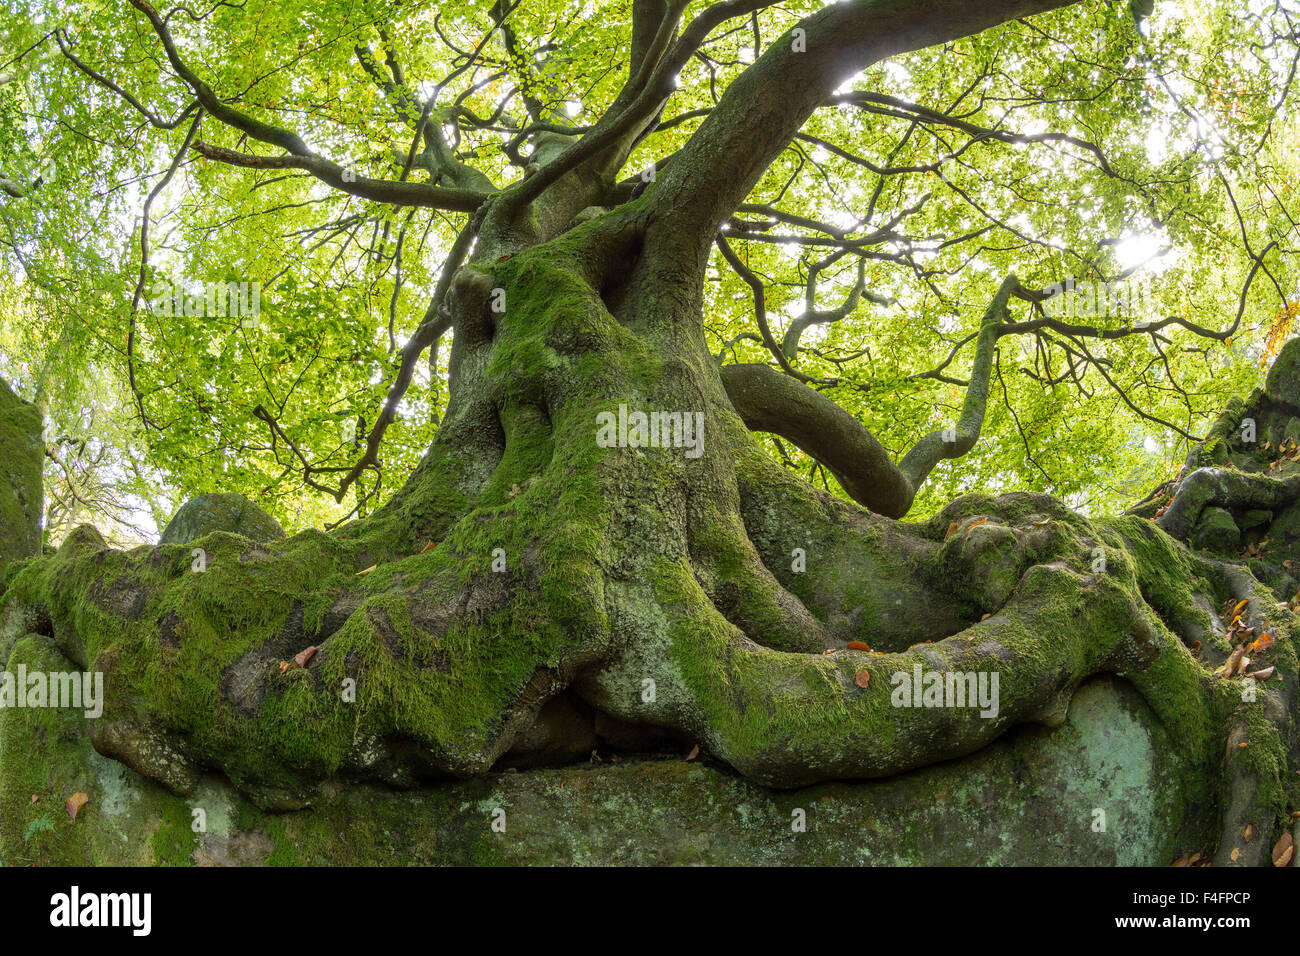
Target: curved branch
[299,155]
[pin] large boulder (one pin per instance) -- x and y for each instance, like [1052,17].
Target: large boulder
[1104,788]
[220,512]
[22,453]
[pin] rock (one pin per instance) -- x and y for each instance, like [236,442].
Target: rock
[22,454]
[1283,381]
[220,512]
[1216,531]
[1035,796]
[1254,518]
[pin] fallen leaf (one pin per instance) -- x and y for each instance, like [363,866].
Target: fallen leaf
[75,802]
[1240,604]
[367,570]
[857,646]
[285,666]
[695,752]
[987,615]
[1183,860]
[1230,665]
[1196,648]
[976,524]
[1264,674]
[1242,664]
[1249,832]
[863,678]
[428,547]
[952,529]
[831,650]
[35,798]
[1283,850]
[1261,643]
[1235,853]
[303,656]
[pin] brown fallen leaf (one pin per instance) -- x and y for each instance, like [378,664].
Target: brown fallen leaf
[1196,648]
[1296,815]
[987,615]
[1183,860]
[1249,833]
[367,570]
[75,802]
[428,547]
[35,798]
[303,656]
[857,646]
[862,678]
[1263,674]
[286,666]
[1242,665]
[695,752]
[952,529]
[1230,665]
[1284,850]
[1234,854]
[831,650]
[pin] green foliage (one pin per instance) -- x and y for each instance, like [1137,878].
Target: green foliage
[1186,117]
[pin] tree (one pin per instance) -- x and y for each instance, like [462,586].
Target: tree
[594,516]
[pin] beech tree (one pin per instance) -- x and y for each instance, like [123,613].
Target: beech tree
[701,367]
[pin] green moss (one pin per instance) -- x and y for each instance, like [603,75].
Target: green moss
[21,458]
[175,841]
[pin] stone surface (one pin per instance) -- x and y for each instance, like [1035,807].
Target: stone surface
[1283,381]
[220,512]
[21,494]
[1216,531]
[1103,788]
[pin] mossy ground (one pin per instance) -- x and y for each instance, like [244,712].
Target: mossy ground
[1032,797]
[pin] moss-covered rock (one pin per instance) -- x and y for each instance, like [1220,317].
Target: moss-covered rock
[1103,788]
[21,495]
[1283,382]
[1216,531]
[232,513]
